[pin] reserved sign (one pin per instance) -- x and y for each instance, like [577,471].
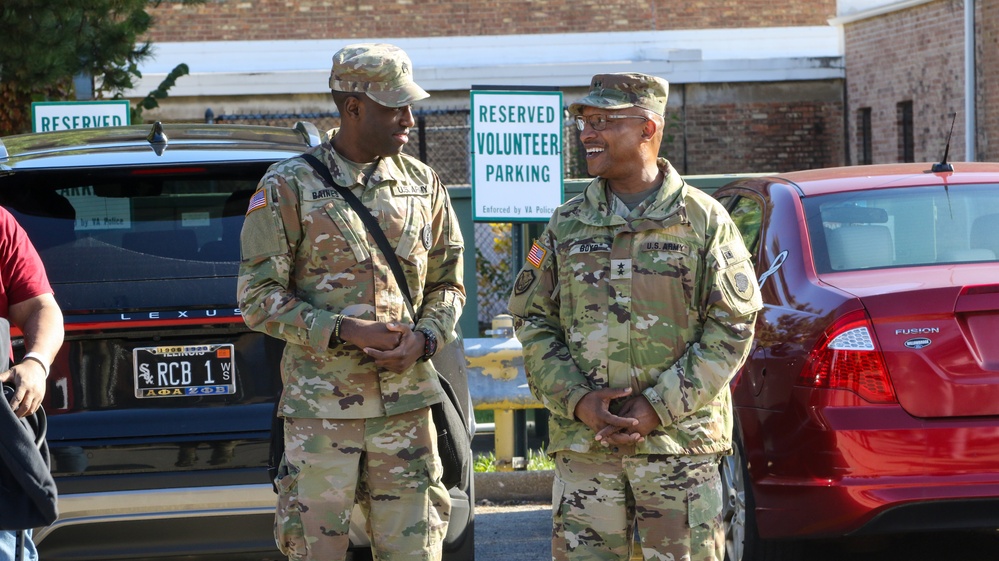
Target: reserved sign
[68,115]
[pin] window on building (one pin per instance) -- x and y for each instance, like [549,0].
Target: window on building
[865,154]
[906,137]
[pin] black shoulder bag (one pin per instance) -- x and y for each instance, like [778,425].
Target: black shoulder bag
[453,436]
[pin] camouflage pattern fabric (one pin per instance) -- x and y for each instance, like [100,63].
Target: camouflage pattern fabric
[306,257]
[398,487]
[623,90]
[662,301]
[674,501]
[382,71]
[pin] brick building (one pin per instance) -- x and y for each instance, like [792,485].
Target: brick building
[914,67]
[755,84]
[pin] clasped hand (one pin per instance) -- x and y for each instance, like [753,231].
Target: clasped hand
[630,425]
[393,345]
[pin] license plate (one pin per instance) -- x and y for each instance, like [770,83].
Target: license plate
[184,370]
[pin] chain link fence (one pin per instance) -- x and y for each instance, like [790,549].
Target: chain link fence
[441,140]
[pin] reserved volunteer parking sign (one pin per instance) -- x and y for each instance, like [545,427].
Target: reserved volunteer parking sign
[516,155]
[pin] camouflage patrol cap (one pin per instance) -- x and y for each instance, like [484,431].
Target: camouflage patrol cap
[382,71]
[623,90]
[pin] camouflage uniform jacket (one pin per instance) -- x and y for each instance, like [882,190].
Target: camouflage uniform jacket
[306,257]
[663,301]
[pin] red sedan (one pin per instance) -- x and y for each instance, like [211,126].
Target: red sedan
[870,402]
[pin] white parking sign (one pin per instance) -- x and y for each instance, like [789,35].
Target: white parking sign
[59,115]
[516,155]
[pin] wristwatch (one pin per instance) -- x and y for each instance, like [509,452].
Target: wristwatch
[430,343]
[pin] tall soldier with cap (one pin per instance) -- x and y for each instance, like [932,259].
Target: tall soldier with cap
[635,308]
[357,382]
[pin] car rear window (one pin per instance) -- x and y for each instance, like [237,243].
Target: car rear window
[911,226]
[133,227]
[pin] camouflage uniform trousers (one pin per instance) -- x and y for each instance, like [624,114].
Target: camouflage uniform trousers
[388,464]
[599,499]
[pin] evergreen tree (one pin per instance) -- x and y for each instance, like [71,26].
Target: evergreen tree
[45,44]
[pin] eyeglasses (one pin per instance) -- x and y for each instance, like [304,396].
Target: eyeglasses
[598,121]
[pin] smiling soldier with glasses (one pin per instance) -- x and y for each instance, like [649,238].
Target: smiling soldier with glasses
[635,308]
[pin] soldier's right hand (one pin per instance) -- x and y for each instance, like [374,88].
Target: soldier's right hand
[637,407]
[594,410]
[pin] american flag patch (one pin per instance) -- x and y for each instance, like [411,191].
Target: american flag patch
[258,200]
[536,255]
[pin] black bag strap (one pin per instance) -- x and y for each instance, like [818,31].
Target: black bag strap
[371,224]
[376,232]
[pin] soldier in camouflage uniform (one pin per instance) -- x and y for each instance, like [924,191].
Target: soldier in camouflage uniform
[635,309]
[357,382]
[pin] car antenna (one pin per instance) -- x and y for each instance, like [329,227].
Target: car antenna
[943,165]
[157,138]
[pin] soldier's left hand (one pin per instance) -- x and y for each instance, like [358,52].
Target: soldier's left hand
[404,355]
[369,334]
[637,407]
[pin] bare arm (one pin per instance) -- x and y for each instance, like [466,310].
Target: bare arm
[40,319]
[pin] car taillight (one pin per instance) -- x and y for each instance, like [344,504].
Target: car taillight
[848,357]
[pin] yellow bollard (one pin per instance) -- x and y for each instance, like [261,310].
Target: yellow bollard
[504,435]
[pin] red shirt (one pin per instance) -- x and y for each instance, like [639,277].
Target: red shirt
[22,274]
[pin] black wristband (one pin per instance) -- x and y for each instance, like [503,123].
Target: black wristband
[429,343]
[335,338]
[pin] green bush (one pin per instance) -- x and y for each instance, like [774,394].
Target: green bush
[537,460]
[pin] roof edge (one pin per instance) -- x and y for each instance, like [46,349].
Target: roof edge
[839,21]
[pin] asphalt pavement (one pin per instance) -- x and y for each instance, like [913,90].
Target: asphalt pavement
[522,532]
[513,532]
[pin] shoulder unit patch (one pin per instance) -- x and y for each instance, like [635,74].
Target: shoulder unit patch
[524,281]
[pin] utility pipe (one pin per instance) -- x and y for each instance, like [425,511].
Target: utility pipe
[970,90]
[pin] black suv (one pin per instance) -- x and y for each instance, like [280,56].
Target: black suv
[161,399]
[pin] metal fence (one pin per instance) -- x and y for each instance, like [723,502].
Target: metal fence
[442,141]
